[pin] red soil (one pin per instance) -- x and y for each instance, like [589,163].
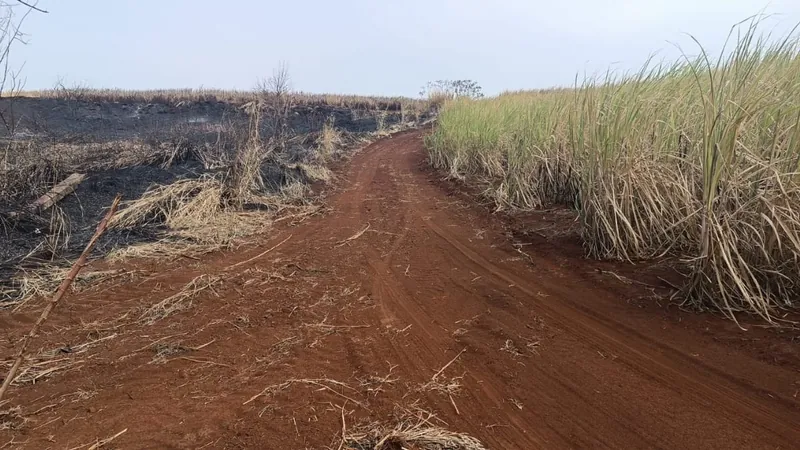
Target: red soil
[558,351]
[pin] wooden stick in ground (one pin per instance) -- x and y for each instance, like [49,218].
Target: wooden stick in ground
[58,192]
[62,289]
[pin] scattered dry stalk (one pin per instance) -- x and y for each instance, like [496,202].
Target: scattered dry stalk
[436,375]
[352,238]
[249,260]
[102,443]
[323,384]
[179,301]
[76,268]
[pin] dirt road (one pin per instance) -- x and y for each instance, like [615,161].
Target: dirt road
[356,316]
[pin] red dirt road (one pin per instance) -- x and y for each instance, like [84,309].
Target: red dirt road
[555,354]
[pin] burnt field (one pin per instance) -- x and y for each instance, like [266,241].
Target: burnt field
[93,119]
[128,146]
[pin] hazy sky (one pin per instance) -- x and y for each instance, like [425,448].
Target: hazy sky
[365,46]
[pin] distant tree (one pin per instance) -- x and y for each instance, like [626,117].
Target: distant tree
[10,81]
[276,99]
[452,89]
[31,5]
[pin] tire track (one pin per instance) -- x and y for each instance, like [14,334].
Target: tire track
[642,355]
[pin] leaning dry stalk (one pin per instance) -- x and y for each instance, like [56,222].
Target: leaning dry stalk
[76,268]
[245,176]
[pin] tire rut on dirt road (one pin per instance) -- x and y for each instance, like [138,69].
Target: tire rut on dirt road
[541,356]
[395,170]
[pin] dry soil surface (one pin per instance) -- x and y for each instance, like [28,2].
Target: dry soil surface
[353,316]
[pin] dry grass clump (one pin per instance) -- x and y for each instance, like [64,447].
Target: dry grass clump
[312,172]
[697,159]
[177,205]
[375,384]
[209,212]
[43,281]
[329,140]
[30,167]
[25,172]
[443,386]
[35,283]
[196,214]
[420,435]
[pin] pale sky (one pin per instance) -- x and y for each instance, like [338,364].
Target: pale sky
[366,46]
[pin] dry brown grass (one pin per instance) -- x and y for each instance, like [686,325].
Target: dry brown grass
[238,97]
[375,384]
[197,217]
[329,140]
[206,213]
[44,280]
[417,435]
[25,171]
[177,205]
[45,364]
[213,211]
[29,168]
[28,284]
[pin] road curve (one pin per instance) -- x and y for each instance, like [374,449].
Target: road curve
[400,277]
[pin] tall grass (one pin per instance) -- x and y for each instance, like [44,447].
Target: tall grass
[698,158]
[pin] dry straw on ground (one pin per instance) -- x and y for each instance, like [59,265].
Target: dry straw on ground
[180,301]
[420,435]
[196,215]
[62,290]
